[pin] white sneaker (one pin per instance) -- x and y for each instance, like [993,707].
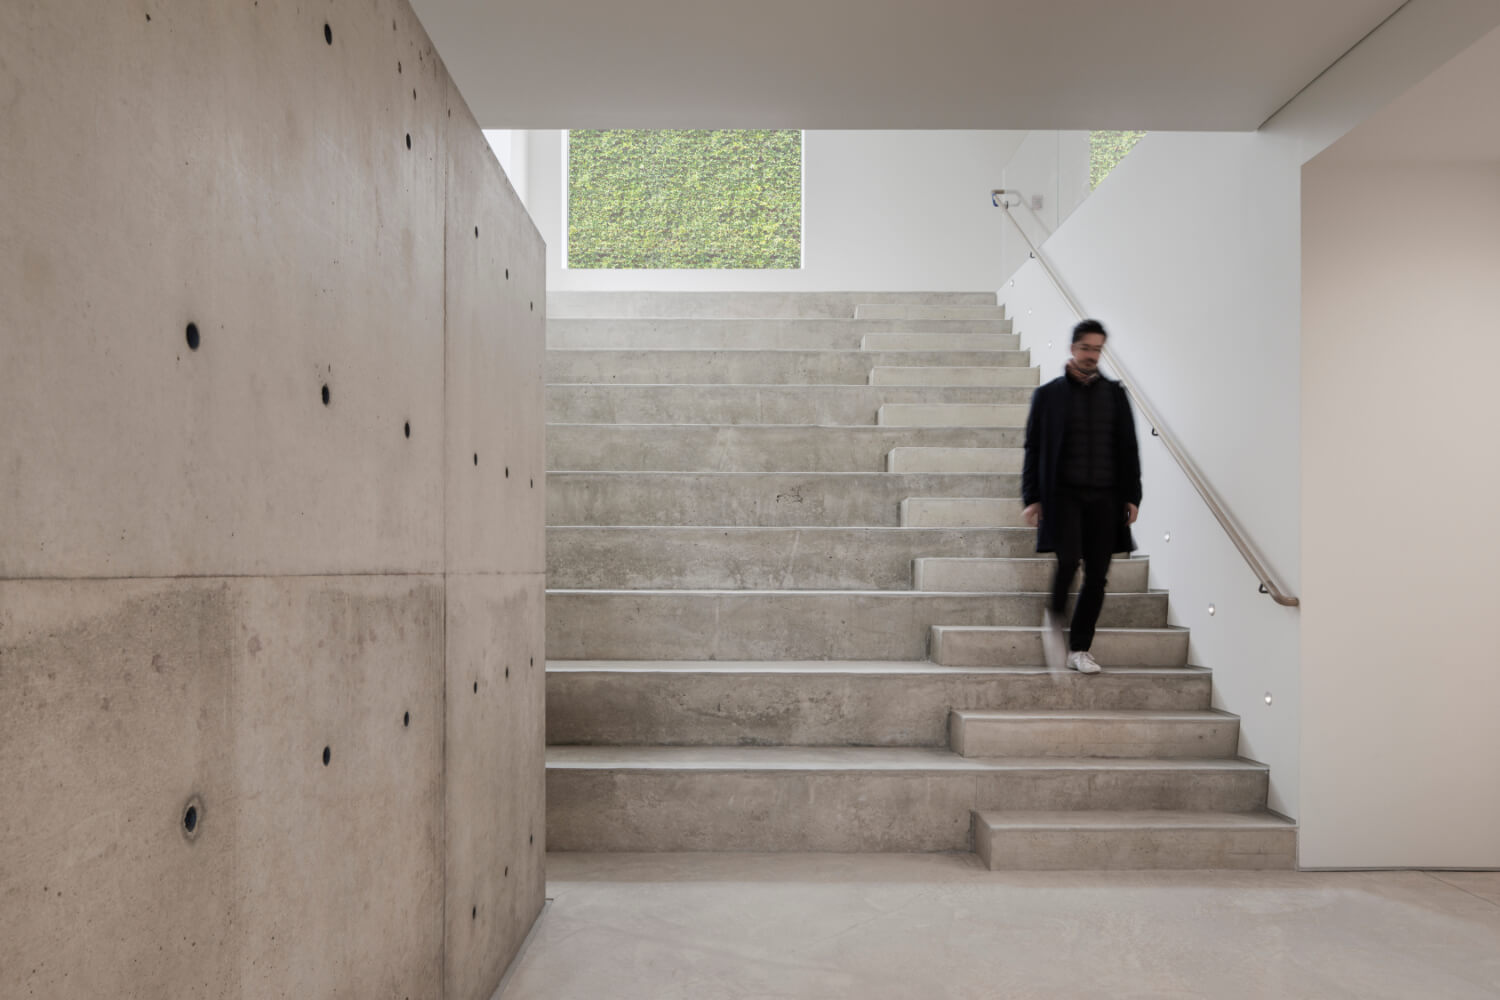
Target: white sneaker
[1083,662]
[1054,645]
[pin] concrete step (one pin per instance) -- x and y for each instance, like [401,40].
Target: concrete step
[930,341]
[793,305]
[1135,646]
[791,624]
[1134,840]
[945,310]
[1110,732]
[992,461]
[769,333]
[939,374]
[988,574]
[823,702]
[751,558]
[750,447]
[755,367]
[768,499]
[928,414]
[827,405]
[848,799]
[961,512]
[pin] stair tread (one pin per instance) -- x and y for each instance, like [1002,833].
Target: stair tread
[925,759]
[1132,630]
[1131,819]
[882,667]
[1096,715]
[904,594]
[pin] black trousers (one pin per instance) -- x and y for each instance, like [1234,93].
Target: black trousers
[1083,527]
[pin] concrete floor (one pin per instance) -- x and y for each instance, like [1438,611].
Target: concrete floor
[903,927]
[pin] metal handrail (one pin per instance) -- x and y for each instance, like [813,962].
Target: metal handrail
[1252,556]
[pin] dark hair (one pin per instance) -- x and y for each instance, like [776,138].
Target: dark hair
[1088,326]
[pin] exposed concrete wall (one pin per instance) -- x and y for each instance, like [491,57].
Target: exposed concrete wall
[209,573]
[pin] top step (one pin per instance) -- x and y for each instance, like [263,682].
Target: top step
[730,305]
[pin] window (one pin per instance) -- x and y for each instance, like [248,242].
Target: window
[1106,150]
[685,198]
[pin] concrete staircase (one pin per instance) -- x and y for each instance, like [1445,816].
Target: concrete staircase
[791,605]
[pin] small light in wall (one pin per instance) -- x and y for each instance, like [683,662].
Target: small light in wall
[1049,345]
[1166,536]
[1268,697]
[1211,610]
[1028,312]
[1013,282]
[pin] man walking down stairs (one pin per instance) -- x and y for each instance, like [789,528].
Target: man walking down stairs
[792,604]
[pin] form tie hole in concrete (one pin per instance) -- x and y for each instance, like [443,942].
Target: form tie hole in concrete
[507,871]
[476,458]
[328,34]
[476,232]
[533,307]
[531,839]
[507,274]
[407,428]
[327,397]
[476,687]
[192,818]
[192,336]
[405,719]
[533,484]
[408,140]
[414,93]
[327,755]
[398,66]
[507,472]
[533,661]
[474,913]
[507,673]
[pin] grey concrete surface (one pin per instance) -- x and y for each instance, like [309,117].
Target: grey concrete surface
[894,927]
[1109,732]
[848,799]
[741,558]
[757,305]
[932,414]
[230,547]
[750,447]
[770,499]
[961,512]
[939,459]
[581,403]
[933,310]
[791,624]
[825,703]
[752,367]
[1000,339]
[989,574]
[980,646]
[717,333]
[1127,840]
[952,371]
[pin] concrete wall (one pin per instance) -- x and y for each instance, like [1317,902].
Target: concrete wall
[1191,253]
[1401,246]
[222,590]
[882,211]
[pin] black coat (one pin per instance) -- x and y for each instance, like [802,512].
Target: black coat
[1044,442]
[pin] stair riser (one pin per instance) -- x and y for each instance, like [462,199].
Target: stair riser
[667,448]
[926,311]
[989,341]
[797,709]
[767,499]
[930,414]
[845,811]
[759,558]
[959,649]
[1020,575]
[842,405]
[753,367]
[656,625]
[973,513]
[1176,739]
[1137,850]
[703,334]
[755,305]
[909,373]
[936,459]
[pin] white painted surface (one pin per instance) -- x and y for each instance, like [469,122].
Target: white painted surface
[890,63]
[511,149]
[1398,298]
[882,211]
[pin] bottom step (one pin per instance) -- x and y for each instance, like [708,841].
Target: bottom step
[1110,840]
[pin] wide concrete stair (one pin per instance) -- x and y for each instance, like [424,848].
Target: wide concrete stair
[792,607]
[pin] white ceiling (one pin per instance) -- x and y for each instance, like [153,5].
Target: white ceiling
[1453,116]
[890,64]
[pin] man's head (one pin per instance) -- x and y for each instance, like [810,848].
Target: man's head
[1088,342]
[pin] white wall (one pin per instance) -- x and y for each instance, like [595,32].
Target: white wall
[511,148]
[1184,256]
[882,211]
[1400,477]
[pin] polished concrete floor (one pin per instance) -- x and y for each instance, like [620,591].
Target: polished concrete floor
[939,927]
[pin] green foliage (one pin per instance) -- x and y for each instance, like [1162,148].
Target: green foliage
[1106,150]
[685,198]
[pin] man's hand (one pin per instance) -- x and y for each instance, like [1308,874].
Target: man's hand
[1032,515]
[1131,511]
